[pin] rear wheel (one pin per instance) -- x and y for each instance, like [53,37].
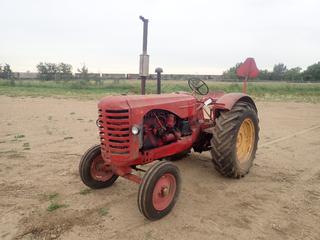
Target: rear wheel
[94,172]
[159,190]
[235,139]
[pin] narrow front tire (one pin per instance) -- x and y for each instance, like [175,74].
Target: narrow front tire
[159,190]
[93,170]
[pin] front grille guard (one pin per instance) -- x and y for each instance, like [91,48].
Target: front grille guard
[114,131]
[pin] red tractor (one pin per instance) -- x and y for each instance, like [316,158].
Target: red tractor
[139,129]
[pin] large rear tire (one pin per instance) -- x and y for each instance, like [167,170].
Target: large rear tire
[93,171]
[235,140]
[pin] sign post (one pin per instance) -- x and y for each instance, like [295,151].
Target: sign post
[247,70]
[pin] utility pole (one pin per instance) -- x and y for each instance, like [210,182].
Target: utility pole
[144,57]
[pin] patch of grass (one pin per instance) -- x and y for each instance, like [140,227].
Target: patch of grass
[72,113]
[9,151]
[26,146]
[54,206]
[2,141]
[275,91]
[79,119]
[103,211]
[85,191]
[19,136]
[50,118]
[67,138]
[52,196]
[16,155]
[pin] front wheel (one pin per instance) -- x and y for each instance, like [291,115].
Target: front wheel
[93,170]
[159,190]
[235,139]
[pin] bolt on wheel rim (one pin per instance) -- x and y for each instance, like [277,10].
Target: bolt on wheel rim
[245,140]
[99,170]
[164,191]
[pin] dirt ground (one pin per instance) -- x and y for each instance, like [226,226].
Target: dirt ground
[42,140]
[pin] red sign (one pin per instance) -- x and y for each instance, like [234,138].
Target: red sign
[248,69]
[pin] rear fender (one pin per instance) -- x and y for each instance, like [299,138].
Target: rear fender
[227,101]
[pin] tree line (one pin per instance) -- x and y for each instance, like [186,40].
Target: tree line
[48,71]
[63,71]
[280,72]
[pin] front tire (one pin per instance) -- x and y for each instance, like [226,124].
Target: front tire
[159,190]
[235,139]
[93,171]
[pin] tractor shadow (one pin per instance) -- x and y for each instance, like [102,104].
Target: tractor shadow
[198,167]
[199,175]
[198,161]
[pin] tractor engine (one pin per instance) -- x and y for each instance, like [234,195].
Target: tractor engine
[162,127]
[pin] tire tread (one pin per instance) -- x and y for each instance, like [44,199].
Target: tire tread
[224,139]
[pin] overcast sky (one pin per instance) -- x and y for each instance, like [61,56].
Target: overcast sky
[196,36]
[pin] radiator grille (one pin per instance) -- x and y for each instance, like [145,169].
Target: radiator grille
[114,131]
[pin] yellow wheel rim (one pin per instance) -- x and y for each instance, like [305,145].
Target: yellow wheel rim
[245,140]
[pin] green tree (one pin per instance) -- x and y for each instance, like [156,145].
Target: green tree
[65,71]
[279,71]
[293,74]
[6,73]
[42,71]
[312,73]
[265,75]
[83,72]
[53,71]
[1,70]
[47,71]
[231,72]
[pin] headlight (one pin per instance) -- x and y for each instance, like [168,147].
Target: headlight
[135,130]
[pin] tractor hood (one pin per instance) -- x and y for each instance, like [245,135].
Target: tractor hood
[178,103]
[118,114]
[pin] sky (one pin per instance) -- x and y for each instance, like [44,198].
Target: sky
[195,36]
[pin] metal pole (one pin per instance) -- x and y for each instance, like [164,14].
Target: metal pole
[244,86]
[158,71]
[145,35]
[143,85]
[144,57]
[158,83]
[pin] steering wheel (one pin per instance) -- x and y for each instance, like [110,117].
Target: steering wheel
[198,86]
